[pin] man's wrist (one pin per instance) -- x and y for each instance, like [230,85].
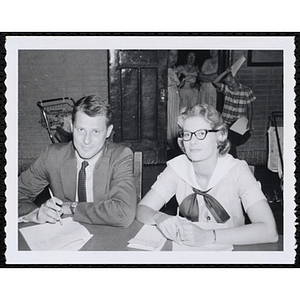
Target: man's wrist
[73,207]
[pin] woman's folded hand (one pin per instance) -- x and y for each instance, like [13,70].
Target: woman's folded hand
[197,237]
[170,226]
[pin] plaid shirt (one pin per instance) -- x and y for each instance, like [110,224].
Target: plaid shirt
[235,102]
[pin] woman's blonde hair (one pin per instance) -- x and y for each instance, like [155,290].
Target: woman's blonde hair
[213,117]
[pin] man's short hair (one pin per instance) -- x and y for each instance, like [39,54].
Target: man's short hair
[93,105]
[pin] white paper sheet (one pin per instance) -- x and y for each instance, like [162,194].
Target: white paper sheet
[70,236]
[213,247]
[148,238]
[240,125]
[236,66]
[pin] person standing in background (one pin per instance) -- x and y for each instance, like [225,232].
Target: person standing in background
[208,73]
[173,101]
[189,92]
[237,103]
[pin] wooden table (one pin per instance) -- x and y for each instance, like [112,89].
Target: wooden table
[108,238]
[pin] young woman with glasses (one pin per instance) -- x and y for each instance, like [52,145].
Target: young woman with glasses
[210,186]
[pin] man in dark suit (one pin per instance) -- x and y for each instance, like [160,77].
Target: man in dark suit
[107,195]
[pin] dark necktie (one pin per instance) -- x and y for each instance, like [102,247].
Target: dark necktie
[189,207]
[81,182]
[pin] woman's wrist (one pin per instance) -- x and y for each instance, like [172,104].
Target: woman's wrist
[156,216]
[212,237]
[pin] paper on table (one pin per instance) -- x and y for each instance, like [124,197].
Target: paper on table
[240,125]
[70,236]
[212,247]
[236,66]
[148,238]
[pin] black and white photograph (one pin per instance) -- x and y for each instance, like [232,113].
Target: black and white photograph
[150,150]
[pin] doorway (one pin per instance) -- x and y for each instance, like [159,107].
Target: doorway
[138,97]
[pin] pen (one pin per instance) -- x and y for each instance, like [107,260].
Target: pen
[52,197]
[177,230]
[177,233]
[178,237]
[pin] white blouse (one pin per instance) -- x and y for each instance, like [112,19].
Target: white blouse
[232,184]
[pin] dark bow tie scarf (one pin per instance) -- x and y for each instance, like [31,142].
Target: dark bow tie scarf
[189,207]
[81,182]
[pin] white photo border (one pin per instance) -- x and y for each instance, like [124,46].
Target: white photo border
[16,43]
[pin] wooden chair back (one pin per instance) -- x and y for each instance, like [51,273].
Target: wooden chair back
[137,173]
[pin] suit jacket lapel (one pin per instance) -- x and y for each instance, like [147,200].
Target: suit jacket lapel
[69,175]
[101,174]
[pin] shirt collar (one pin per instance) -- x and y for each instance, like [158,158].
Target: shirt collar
[183,167]
[92,162]
[240,87]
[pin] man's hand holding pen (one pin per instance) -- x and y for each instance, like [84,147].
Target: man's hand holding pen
[50,211]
